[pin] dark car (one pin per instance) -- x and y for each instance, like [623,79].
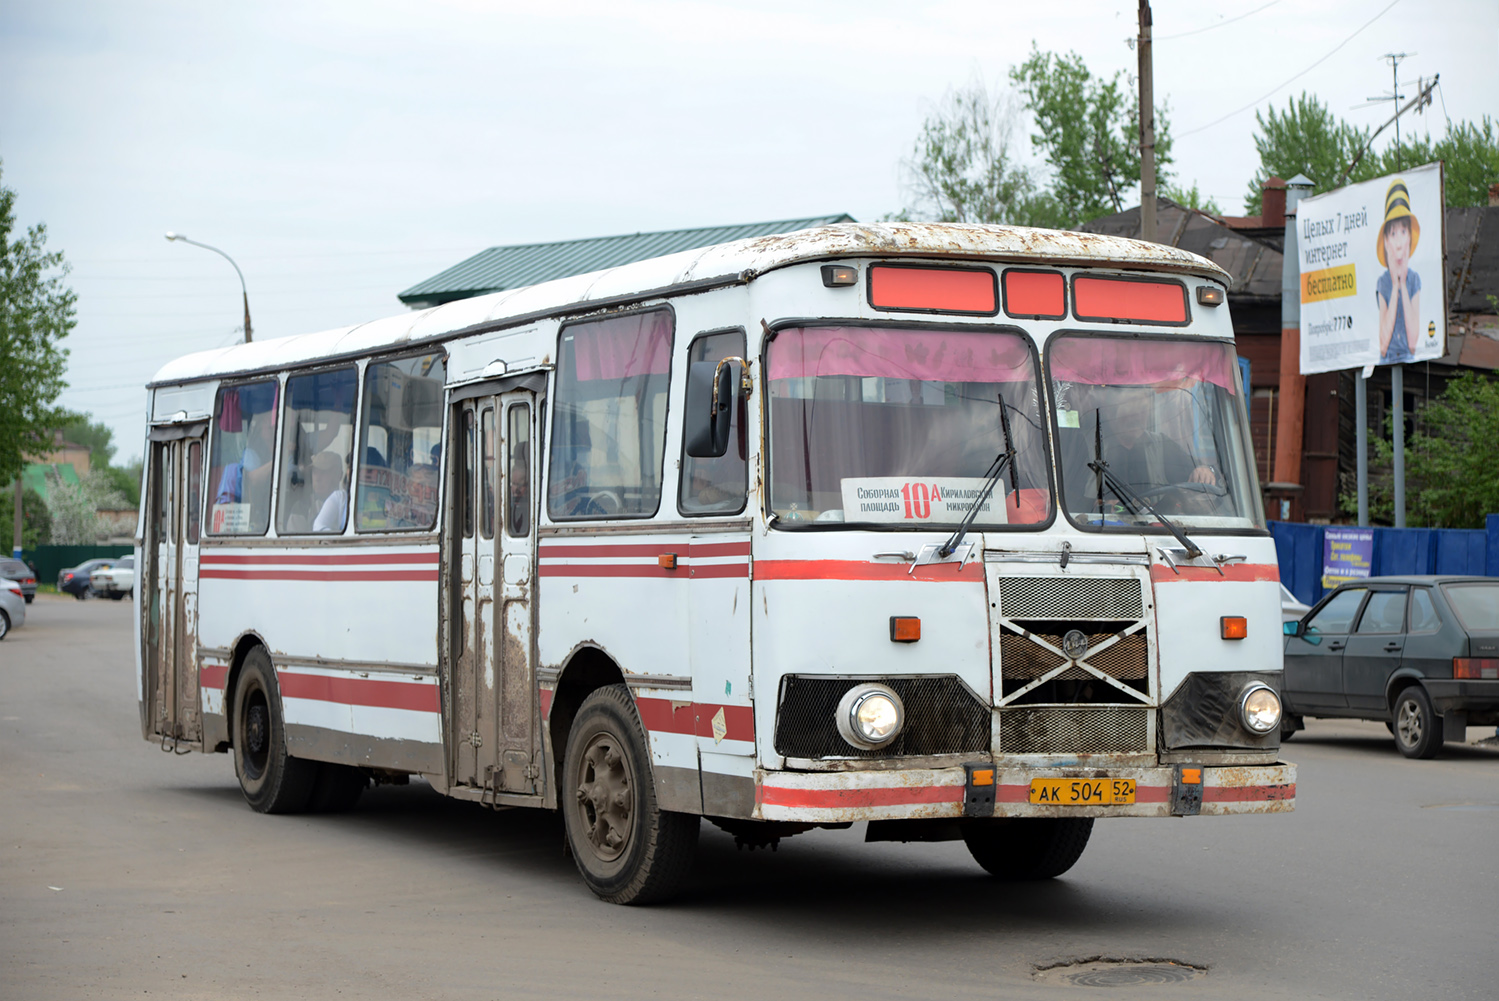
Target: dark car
[1419,654]
[76,580]
[16,570]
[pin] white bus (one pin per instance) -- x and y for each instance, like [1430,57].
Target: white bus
[949,529]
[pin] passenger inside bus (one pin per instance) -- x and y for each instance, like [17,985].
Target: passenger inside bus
[250,477]
[328,484]
[518,513]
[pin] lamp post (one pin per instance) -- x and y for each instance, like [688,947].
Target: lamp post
[216,250]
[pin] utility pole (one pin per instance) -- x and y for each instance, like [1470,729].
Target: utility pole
[1147,129]
[17,552]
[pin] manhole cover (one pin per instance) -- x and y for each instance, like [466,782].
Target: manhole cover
[1101,972]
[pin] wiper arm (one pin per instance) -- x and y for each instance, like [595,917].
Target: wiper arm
[1131,499]
[996,468]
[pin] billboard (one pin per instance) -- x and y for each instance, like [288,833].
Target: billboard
[1372,289]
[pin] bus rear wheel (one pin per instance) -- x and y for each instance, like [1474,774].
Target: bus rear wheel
[272,780]
[628,850]
[1023,849]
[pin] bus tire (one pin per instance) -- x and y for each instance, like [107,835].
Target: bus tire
[1028,848]
[272,780]
[337,788]
[628,850]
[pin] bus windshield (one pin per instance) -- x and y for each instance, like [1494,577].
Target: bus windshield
[899,428]
[1165,416]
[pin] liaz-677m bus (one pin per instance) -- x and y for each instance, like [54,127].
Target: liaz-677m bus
[949,529]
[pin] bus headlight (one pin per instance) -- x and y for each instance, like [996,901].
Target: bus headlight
[870,716]
[1259,708]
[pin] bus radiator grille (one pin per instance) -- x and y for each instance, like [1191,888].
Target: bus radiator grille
[1064,730]
[1020,659]
[1070,598]
[943,716]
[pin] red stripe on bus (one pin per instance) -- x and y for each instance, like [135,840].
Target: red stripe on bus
[359,691]
[1248,794]
[1231,571]
[842,799]
[303,559]
[545,696]
[418,575]
[683,571]
[695,549]
[695,718]
[213,675]
[860,570]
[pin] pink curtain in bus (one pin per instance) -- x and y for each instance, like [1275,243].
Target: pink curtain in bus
[926,355]
[623,347]
[1100,361]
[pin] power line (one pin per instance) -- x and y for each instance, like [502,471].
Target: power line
[1298,76]
[1220,24]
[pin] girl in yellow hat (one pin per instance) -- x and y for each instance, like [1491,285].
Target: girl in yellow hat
[1398,291]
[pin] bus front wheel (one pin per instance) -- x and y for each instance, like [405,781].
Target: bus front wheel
[272,780]
[628,850]
[1028,848]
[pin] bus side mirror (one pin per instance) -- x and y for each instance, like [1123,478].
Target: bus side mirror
[706,424]
[1291,628]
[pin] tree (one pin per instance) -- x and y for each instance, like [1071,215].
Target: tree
[964,169]
[37,310]
[96,436]
[36,520]
[75,507]
[1191,199]
[1306,138]
[1089,131]
[1451,460]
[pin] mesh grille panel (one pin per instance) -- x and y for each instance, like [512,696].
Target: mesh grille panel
[942,717]
[1070,598]
[1051,730]
[1126,660]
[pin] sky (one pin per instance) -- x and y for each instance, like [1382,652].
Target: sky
[341,152]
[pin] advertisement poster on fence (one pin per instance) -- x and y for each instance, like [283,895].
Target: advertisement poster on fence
[1347,554]
[1372,288]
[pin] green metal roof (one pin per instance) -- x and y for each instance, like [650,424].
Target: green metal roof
[500,268]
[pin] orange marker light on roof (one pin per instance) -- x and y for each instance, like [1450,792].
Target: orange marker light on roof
[1234,627]
[904,629]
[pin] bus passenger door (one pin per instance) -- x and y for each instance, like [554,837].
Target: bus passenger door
[167,589]
[520,763]
[473,681]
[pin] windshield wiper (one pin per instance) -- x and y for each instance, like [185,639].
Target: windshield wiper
[997,467]
[1131,499]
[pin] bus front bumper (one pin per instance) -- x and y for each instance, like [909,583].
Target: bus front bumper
[935,793]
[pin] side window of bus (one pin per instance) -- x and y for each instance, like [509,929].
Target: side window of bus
[716,486]
[400,444]
[317,441]
[241,453]
[518,471]
[609,417]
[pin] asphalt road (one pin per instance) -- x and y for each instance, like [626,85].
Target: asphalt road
[125,871]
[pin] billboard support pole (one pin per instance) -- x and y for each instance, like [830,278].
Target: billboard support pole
[1361,423]
[1397,390]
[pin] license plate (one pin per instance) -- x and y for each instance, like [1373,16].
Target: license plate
[1082,792]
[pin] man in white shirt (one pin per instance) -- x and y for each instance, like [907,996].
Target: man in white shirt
[328,483]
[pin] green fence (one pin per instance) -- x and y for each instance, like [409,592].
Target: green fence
[52,560]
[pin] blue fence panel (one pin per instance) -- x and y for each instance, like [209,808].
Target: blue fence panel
[1491,564]
[1461,551]
[1298,549]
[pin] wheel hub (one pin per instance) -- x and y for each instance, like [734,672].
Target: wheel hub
[256,738]
[605,796]
[1408,723]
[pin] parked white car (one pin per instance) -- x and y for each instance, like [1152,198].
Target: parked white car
[12,606]
[1291,609]
[114,581]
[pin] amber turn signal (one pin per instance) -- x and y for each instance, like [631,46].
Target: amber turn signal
[1209,295]
[982,776]
[1234,627]
[1192,776]
[667,561]
[904,629]
[839,276]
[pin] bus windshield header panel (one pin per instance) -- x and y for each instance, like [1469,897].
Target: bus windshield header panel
[1164,413]
[898,427]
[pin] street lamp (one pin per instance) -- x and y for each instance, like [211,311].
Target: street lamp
[216,250]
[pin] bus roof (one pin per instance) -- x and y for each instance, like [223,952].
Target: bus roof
[693,270]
